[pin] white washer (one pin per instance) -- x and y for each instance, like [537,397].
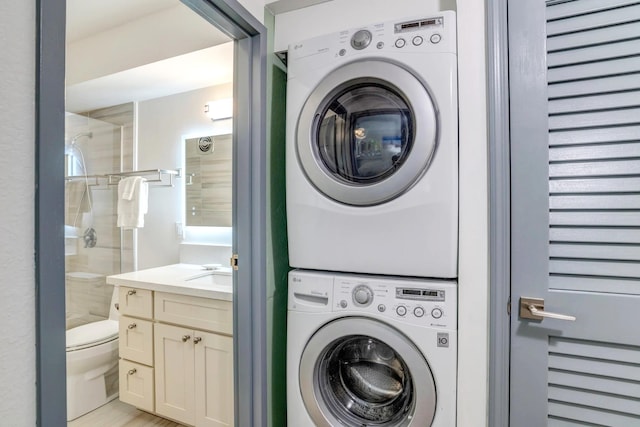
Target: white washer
[372,149]
[370,351]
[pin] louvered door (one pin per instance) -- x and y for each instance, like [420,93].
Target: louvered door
[575,143]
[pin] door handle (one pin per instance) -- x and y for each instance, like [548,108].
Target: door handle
[533,308]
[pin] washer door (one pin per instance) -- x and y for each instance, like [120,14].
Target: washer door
[358,372]
[367,132]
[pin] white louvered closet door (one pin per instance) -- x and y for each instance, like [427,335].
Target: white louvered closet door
[574,70]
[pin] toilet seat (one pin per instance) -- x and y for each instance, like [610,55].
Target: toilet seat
[91,334]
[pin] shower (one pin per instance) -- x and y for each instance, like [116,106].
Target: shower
[72,152]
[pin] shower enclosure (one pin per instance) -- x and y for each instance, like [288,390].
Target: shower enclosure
[96,143]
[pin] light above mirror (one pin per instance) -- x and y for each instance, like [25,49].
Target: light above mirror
[221,109]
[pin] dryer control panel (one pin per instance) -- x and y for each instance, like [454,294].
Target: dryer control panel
[423,34]
[424,302]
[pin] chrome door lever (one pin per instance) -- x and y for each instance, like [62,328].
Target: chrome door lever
[533,309]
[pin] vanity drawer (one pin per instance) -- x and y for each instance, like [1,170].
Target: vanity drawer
[136,302]
[195,312]
[136,340]
[136,385]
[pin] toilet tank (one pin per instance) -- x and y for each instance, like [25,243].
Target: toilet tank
[88,298]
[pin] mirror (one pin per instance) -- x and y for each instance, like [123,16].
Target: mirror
[208,181]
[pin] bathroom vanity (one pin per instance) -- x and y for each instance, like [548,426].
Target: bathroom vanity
[176,345]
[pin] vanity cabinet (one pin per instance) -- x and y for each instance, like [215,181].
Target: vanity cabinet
[191,355]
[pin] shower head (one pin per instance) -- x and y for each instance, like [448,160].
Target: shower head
[81,135]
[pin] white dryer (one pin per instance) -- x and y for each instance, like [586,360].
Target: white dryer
[372,149]
[370,351]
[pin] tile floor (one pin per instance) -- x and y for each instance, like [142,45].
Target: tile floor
[118,414]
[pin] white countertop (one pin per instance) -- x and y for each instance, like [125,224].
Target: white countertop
[215,284]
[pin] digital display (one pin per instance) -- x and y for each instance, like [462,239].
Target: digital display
[420,294]
[417,25]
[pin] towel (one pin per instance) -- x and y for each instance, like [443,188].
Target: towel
[76,201]
[133,201]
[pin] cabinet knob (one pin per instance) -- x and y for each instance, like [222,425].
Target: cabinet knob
[131,292]
[196,340]
[131,326]
[186,338]
[132,371]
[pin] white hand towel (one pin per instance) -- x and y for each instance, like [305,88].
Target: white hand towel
[128,186]
[133,202]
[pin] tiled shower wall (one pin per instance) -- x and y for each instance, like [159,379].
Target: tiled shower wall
[109,150]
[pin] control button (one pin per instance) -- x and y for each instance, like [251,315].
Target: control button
[361,39]
[381,308]
[418,311]
[436,313]
[417,40]
[435,38]
[343,304]
[443,339]
[342,52]
[401,310]
[400,43]
[380,45]
[362,295]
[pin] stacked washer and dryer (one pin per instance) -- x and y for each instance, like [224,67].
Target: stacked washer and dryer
[372,211]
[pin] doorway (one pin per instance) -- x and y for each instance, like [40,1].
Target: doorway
[248,301]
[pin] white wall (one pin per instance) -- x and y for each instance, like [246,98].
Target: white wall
[255,7]
[163,123]
[17,281]
[473,255]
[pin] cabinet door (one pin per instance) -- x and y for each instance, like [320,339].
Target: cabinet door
[213,380]
[174,371]
[136,385]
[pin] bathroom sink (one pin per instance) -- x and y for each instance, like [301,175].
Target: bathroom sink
[210,278]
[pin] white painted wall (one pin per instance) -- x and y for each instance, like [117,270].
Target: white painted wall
[255,7]
[473,255]
[17,281]
[163,123]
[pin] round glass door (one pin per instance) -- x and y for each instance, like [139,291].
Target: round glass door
[372,376]
[367,133]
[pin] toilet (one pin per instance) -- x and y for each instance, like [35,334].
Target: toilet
[92,363]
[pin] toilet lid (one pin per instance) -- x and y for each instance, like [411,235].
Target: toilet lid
[91,334]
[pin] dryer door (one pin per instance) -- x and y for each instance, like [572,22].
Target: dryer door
[367,133]
[357,372]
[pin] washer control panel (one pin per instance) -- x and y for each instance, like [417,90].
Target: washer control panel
[417,301]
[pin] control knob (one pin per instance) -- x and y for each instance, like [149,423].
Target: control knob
[362,295]
[361,39]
